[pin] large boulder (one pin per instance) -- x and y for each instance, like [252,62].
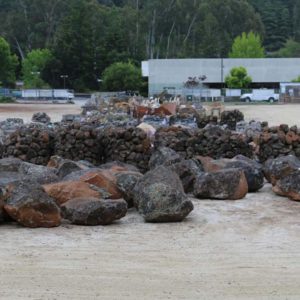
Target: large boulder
[126,182]
[119,166]
[30,206]
[104,179]
[40,174]
[63,192]
[164,156]
[227,184]
[159,196]
[278,168]
[289,186]
[10,164]
[188,171]
[66,166]
[252,169]
[92,211]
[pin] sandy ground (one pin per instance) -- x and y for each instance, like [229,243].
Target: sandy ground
[248,249]
[275,114]
[25,111]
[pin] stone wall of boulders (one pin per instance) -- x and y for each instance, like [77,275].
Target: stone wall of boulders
[129,145]
[278,141]
[212,141]
[34,144]
[78,141]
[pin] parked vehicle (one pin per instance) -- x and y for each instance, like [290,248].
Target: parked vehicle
[260,95]
[47,94]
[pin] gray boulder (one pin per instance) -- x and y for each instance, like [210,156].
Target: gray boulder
[10,164]
[227,184]
[253,172]
[188,171]
[93,211]
[126,182]
[289,186]
[113,164]
[40,174]
[164,156]
[278,168]
[159,196]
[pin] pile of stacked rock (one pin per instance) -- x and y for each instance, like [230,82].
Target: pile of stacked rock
[211,141]
[278,141]
[33,143]
[78,141]
[129,145]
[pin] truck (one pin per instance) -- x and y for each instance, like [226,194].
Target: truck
[260,95]
[47,94]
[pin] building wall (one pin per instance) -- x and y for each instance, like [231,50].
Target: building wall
[173,73]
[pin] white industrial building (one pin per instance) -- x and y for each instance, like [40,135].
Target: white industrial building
[171,74]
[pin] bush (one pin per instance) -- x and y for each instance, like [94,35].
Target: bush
[4,99]
[122,77]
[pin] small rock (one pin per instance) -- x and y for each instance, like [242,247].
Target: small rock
[10,164]
[93,212]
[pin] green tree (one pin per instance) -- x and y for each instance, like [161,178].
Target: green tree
[247,46]
[33,67]
[238,78]
[122,77]
[8,64]
[296,79]
[290,49]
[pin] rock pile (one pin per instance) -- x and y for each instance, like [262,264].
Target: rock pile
[32,143]
[212,141]
[128,145]
[41,117]
[78,141]
[231,118]
[279,141]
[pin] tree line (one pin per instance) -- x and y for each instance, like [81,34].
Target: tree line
[82,38]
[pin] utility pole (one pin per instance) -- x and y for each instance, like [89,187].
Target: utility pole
[64,77]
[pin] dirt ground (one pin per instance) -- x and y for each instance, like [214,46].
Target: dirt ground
[247,249]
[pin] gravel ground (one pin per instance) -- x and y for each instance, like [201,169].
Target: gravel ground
[248,249]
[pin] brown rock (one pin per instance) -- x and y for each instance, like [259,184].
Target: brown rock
[211,165]
[289,186]
[105,179]
[30,206]
[63,192]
